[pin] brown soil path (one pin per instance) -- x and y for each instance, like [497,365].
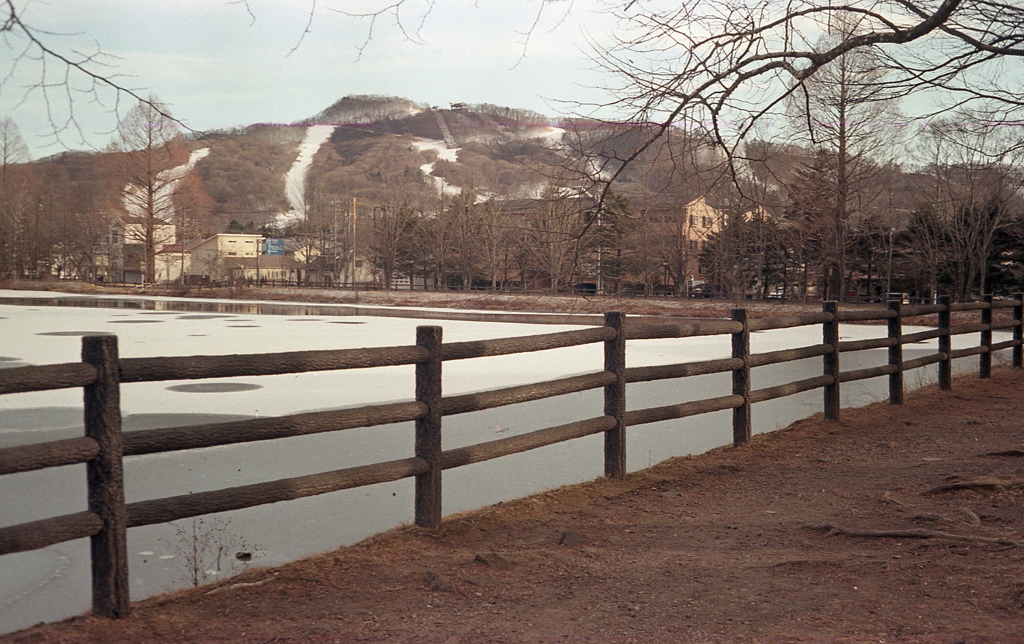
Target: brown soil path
[894,525]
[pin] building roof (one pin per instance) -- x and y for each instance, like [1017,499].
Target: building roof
[214,237]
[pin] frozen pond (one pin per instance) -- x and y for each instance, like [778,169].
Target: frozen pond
[53,583]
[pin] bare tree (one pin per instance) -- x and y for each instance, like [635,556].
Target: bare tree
[553,240]
[976,195]
[846,112]
[149,147]
[17,198]
[434,241]
[724,67]
[12,146]
[409,17]
[394,229]
[498,241]
[62,74]
[467,226]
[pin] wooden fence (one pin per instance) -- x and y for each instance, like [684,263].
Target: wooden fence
[101,373]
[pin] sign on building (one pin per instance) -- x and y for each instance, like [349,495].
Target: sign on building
[273,247]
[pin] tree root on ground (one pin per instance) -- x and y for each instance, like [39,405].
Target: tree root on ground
[831,529]
[1007,452]
[221,589]
[964,516]
[887,498]
[983,483]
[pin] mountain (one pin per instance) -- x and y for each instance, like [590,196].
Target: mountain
[389,151]
[381,150]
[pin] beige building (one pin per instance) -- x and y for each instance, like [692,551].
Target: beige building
[215,257]
[676,236]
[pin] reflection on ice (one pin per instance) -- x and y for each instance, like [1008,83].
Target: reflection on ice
[36,418]
[203,317]
[24,426]
[214,387]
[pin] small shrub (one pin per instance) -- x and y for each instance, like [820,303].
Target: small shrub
[208,550]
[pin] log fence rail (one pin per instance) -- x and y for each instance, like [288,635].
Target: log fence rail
[101,373]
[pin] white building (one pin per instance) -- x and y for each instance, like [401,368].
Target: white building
[214,258]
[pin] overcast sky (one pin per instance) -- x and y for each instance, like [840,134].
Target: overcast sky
[216,67]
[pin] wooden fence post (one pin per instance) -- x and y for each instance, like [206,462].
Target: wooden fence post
[1018,331]
[985,359]
[741,380]
[896,353]
[945,345]
[830,335]
[428,428]
[615,397]
[105,479]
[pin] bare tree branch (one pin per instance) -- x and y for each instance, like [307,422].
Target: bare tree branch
[723,67]
[394,9]
[248,10]
[32,46]
[306,30]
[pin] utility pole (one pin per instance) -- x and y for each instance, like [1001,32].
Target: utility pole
[888,270]
[351,259]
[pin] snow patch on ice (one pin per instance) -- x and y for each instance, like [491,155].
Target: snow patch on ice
[295,180]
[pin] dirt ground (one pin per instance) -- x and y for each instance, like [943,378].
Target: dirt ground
[897,524]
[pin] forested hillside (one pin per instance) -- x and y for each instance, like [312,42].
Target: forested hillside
[494,197]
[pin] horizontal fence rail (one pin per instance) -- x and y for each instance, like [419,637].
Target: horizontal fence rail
[45,378]
[101,374]
[247,496]
[171,439]
[70,451]
[266,364]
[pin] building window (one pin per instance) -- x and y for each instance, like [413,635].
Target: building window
[707,222]
[693,220]
[702,270]
[693,244]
